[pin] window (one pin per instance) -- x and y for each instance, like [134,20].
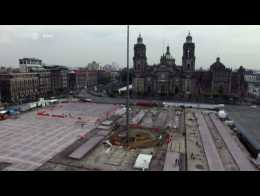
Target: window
[188,53]
[162,76]
[149,89]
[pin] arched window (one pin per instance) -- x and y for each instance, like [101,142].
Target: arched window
[221,90]
[149,90]
[176,90]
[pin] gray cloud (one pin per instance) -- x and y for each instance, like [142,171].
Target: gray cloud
[78,45]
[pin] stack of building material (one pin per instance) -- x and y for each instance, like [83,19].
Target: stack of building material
[160,121]
[107,123]
[137,118]
[120,111]
[147,121]
[85,148]
[104,127]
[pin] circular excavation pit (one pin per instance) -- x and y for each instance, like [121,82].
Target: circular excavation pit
[138,138]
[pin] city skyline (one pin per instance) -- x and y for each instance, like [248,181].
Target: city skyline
[78,45]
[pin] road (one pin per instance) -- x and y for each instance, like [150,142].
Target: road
[247,118]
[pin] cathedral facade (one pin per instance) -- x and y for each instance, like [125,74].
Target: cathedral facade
[167,79]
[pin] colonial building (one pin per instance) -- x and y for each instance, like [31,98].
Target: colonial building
[58,78]
[44,77]
[77,79]
[72,80]
[171,80]
[253,80]
[19,87]
[33,65]
[92,79]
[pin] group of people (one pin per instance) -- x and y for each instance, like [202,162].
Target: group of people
[177,162]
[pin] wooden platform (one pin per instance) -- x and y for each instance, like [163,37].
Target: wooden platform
[103,132]
[170,161]
[80,152]
[214,160]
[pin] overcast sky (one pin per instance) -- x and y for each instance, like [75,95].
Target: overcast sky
[79,45]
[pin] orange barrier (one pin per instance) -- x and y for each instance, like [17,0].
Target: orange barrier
[156,129]
[58,116]
[136,126]
[3,117]
[42,113]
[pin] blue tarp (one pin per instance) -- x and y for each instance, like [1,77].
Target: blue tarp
[12,112]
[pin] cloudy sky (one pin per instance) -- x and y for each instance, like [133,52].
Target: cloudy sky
[79,45]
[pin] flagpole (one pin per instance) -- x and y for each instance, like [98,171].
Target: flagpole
[127,87]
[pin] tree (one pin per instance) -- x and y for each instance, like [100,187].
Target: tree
[123,75]
[104,77]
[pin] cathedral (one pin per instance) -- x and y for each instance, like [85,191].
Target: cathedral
[167,79]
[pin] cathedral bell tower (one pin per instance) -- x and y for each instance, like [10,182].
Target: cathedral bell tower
[140,60]
[188,58]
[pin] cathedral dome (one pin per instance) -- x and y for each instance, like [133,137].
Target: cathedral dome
[217,65]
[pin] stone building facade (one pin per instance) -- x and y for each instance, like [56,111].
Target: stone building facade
[19,87]
[253,80]
[34,65]
[167,79]
[77,79]
[44,77]
[92,79]
[83,78]
[58,78]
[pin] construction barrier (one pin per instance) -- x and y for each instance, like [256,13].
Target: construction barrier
[146,104]
[58,116]
[138,126]
[42,113]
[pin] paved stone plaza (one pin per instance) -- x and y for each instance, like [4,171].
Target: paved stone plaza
[31,140]
[195,137]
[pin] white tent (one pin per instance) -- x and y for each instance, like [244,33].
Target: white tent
[222,114]
[3,112]
[124,88]
[143,161]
